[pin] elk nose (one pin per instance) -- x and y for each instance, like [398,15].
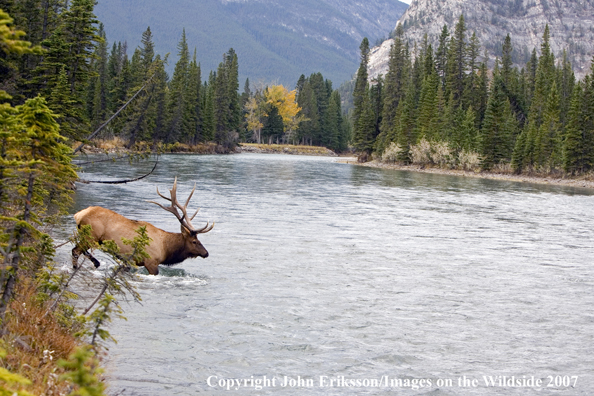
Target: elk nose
[205,255]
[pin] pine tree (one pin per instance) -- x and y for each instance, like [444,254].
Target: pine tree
[147,51]
[157,113]
[364,138]
[394,83]
[456,63]
[548,147]
[428,105]
[81,33]
[235,108]
[360,97]
[495,136]
[209,122]
[273,125]
[177,88]
[99,82]
[309,113]
[441,56]
[578,148]
[337,137]
[192,125]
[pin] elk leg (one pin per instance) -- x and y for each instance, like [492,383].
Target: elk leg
[152,268]
[95,262]
[76,254]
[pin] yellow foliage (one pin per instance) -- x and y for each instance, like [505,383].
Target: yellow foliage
[284,101]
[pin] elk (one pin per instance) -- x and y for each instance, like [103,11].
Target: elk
[165,247]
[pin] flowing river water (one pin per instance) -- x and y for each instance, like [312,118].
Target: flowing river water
[335,279]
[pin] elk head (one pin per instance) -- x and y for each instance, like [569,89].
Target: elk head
[193,247]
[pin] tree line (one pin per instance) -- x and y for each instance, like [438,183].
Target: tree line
[445,107]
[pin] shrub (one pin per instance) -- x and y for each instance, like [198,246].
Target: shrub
[421,153]
[469,160]
[391,153]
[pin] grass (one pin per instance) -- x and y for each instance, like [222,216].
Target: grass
[34,342]
[287,149]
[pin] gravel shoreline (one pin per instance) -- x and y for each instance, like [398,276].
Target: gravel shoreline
[581,182]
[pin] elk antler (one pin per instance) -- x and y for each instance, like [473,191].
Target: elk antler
[184,219]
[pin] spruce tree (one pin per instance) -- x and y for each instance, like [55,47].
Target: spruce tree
[361,97]
[364,138]
[576,153]
[309,113]
[548,146]
[177,88]
[495,134]
[100,94]
[441,56]
[394,83]
[192,123]
[456,63]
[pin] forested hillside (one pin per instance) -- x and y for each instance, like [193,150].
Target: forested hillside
[276,40]
[443,106]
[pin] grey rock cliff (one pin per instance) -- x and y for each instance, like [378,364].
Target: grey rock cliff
[571,23]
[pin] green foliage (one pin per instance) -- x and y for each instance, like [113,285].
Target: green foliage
[10,382]
[84,373]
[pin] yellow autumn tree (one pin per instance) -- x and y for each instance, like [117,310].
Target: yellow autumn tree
[284,100]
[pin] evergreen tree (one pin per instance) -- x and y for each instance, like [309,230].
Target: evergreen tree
[79,25]
[177,89]
[456,63]
[272,130]
[208,106]
[337,134]
[192,123]
[364,138]
[495,137]
[98,82]
[394,83]
[310,116]
[361,98]
[441,56]
[428,105]
[548,144]
[578,148]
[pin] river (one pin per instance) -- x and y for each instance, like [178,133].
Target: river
[333,279]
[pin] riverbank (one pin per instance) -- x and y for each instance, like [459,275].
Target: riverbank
[286,149]
[585,181]
[118,146]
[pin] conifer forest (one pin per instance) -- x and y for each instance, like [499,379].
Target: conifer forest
[445,107]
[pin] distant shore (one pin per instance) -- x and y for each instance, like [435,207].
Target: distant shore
[117,146]
[581,182]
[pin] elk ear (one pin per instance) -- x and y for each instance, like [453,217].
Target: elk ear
[185,231]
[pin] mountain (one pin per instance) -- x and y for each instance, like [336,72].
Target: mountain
[276,40]
[571,24]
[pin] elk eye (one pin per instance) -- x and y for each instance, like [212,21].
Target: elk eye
[194,242]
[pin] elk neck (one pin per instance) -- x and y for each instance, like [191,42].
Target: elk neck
[175,246]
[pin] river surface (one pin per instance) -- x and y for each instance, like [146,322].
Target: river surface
[335,279]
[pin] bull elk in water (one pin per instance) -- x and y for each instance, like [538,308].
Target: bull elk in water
[165,248]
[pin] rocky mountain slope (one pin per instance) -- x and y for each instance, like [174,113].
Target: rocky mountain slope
[276,40]
[571,23]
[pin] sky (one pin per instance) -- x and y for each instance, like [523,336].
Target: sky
[406,1]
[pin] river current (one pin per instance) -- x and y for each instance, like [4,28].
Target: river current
[335,279]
